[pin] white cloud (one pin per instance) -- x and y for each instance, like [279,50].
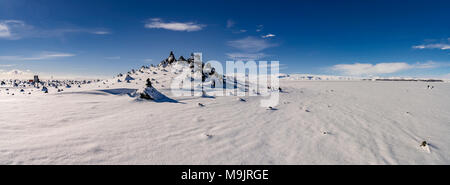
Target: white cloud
[433,46]
[148,60]
[9,28]
[239,31]
[174,26]
[64,31]
[113,58]
[230,23]
[42,56]
[271,65]
[429,65]
[6,65]
[16,74]
[268,35]
[246,56]
[250,48]
[259,28]
[4,31]
[251,44]
[16,29]
[101,32]
[361,69]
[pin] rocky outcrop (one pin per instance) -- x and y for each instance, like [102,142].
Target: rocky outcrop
[171,58]
[181,59]
[207,72]
[128,78]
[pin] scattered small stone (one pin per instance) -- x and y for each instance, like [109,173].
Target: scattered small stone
[424,144]
[201,104]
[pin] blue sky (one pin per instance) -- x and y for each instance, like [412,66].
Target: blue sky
[105,37]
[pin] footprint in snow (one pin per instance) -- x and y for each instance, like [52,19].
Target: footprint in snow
[199,119]
[206,135]
[209,136]
[92,148]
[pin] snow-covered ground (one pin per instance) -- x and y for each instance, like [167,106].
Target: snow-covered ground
[316,122]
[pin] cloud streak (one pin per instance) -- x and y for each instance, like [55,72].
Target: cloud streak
[113,58]
[433,46]
[268,35]
[6,65]
[250,48]
[10,29]
[157,23]
[42,56]
[230,23]
[101,32]
[259,28]
[251,44]
[246,56]
[362,69]
[17,29]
